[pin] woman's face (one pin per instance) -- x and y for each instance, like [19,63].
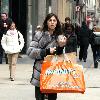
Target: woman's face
[52,22]
[12,27]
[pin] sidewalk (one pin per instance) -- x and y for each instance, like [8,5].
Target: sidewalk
[24,60]
[21,89]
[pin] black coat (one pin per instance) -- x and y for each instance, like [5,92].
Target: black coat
[3,29]
[84,35]
[92,39]
[71,45]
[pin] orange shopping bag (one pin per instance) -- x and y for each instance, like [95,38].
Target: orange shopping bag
[58,76]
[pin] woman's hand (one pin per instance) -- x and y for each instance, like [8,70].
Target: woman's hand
[52,50]
[61,40]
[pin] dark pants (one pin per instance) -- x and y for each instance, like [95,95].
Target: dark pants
[96,54]
[83,52]
[6,58]
[1,54]
[40,96]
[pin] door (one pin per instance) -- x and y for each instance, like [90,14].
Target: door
[18,13]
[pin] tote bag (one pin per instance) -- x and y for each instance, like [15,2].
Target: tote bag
[59,74]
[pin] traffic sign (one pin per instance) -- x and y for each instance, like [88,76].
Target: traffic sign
[77,8]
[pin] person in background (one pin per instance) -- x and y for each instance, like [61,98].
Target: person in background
[71,45]
[83,39]
[38,29]
[12,42]
[4,26]
[95,48]
[43,44]
[67,22]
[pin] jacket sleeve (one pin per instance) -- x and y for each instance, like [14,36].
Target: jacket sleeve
[21,41]
[59,50]
[34,51]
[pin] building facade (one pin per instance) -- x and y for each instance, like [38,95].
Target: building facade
[40,8]
[30,13]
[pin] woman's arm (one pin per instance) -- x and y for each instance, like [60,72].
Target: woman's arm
[35,51]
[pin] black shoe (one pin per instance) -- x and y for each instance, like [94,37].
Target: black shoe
[39,99]
[12,79]
[80,59]
[84,60]
[96,64]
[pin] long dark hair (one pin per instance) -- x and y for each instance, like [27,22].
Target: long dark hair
[58,26]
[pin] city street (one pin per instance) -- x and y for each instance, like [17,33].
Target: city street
[21,89]
[38,24]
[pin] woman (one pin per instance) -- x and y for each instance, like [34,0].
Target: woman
[45,43]
[12,43]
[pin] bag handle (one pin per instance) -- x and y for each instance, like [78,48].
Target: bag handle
[63,56]
[66,57]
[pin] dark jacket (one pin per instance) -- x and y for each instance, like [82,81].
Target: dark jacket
[3,29]
[77,31]
[84,35]
[92,39]
[71,45]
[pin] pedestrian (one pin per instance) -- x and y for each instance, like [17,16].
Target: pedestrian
[71,45]
[67,22]
[95,47]
[46,43]
[4,25]
[38,29]
[84,35]
[12,43]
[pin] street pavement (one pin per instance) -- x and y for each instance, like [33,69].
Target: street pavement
[21,89]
